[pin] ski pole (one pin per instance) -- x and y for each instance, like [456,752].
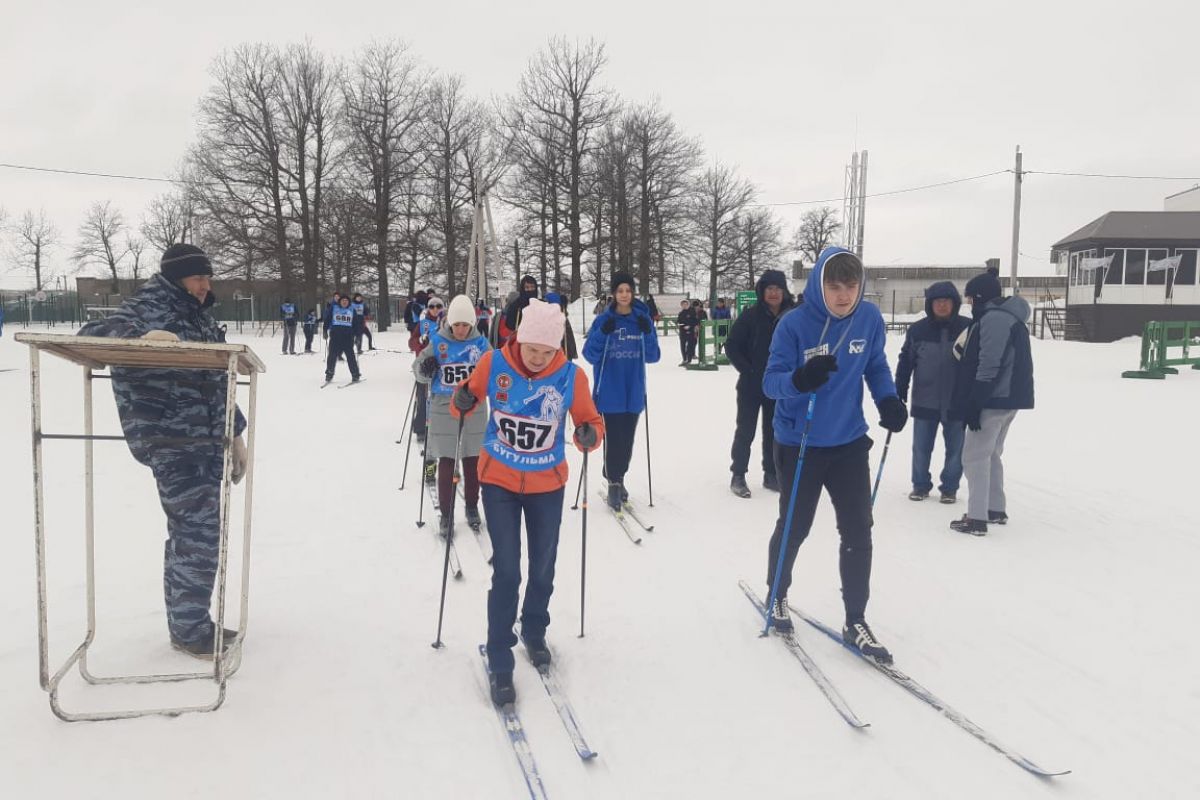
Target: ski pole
[412,404]
[649,472]
[424,466]
[579,486]
[787,524]
[437,643]
[879,475]
[583,561]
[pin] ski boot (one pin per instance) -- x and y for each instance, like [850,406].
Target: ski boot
[624,493]
[539,653]
[443,525]
[976,527]
[771,482]
[859,636]
[614,495]
[737,485]
[474,521]
[781,619]
[502,689]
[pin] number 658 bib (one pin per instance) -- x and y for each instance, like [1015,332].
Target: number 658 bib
[525,428]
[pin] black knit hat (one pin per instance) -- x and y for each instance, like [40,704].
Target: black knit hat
[983,288]
[619,278]
[183,261]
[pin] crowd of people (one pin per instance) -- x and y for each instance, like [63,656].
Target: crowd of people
[494,391]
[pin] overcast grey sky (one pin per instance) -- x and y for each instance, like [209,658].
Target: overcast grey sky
[784,90]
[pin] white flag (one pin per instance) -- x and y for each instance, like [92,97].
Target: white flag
[1164,263]
[1089,264]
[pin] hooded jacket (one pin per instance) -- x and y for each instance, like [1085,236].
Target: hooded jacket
[168,403]
[927,358]
[619,359]
[749,340]
[997,365]
[856,341]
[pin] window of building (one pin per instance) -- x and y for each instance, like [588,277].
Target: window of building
[1135,267]
[1186,275]
[1116,270]
[1157,277]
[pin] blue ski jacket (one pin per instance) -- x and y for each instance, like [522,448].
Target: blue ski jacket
[619,360]
[856,341]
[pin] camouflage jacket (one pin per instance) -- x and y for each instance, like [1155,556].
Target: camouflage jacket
[165,403]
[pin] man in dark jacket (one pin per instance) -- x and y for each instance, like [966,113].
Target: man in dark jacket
[512,312]
[344,327]
[289,319]
[686,324]
[927,360]
[995,380]
[747,347]
[159,408]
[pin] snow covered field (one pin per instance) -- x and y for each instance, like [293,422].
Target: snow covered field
[1070,634]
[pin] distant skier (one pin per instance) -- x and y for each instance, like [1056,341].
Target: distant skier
[287,316]
[686,325]
[483,318]
[343,324]
[828,347]
[511,319]
[530,388]
[995,381]
[448,359]
[620,344]
[427,325]
[310,330]
[361,309]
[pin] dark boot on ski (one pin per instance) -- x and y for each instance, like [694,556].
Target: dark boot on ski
[859,636]
[474,521]
[443,525]
[539,653]
[976,527]
[614,495]
[771,482]
[501,686]
[737,485]
[918,494]
[624,492]
[998,517]
[781,619]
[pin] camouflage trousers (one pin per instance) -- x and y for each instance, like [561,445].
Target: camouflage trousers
[190,494]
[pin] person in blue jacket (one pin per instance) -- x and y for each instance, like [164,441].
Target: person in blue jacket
[821,354]
[619,345]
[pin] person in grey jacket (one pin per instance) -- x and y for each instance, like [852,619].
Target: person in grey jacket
[995,381]
[927,362]
[174,423]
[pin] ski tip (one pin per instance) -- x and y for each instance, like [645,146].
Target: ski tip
[588,755]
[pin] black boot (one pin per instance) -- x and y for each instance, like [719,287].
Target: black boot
[539,653]
[502,689]
[780,618]
[771,482]
[614,495]
[737,485]
[443,525]
[474,521]
[918,494]
[859,636]
[998,517]
[203,648]
[976,527]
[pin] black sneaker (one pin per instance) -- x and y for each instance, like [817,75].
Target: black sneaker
[917,494]
[502,689]
[859,636]
[780,617]
[949,498]
[976,527]
[998,517]
[614,495]
[474,521]
[771,482]
[539,653]
[737,485]
[203,648]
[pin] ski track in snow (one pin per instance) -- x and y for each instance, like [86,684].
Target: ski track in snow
[1068,634]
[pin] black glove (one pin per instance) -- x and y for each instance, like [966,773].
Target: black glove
[609,325]
[464,401]
[428,367]
[814,374]
[585,437]
[892,414]
[972,418]
[644,324]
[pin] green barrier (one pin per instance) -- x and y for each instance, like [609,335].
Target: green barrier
[1157,340]
[713,333]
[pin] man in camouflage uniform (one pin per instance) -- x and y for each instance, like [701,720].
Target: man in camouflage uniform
[157,404]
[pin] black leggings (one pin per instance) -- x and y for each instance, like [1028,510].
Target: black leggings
[619,430]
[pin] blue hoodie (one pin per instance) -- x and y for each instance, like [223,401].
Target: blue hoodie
[619,360]
[856,341]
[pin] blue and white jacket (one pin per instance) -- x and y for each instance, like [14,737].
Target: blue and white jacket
[619,360]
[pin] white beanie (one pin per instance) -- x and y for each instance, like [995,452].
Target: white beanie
[541,323]
[461,310]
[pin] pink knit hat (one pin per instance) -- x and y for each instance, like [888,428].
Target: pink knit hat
[541,323]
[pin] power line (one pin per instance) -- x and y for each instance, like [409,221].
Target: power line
[1102,175]
[891,192]
[58,171]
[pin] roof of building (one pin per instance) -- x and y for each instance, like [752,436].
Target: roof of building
[1155,226]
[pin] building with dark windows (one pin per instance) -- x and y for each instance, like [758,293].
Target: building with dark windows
[1128,268]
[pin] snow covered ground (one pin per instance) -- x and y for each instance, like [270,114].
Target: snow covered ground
[1070,634]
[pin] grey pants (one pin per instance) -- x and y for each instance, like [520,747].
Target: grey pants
[982,465]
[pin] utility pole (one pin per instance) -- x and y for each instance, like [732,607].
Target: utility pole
[862,205]
[1016,226]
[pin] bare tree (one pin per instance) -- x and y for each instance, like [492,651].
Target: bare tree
[761,241]
[816,231]
[168,220]
[98,242]
[32,237]
[134,246]
[720,198]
